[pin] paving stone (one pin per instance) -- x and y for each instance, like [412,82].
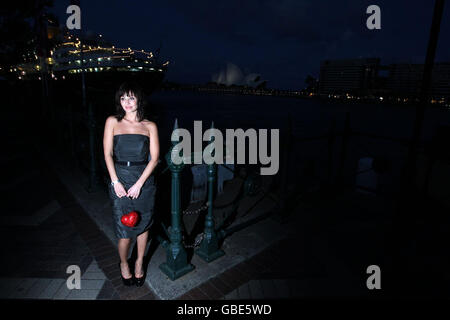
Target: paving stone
[282,288]
[268,288]
[115,296]
[197,294]
[233,295]
[91,284]
[247,269]
[209,290]
[244,291]
[185,296]
[7,287]
[83,294]
[93,276]
[93,267]
[256,289]
[149,296]
[112,260]
[37,289]
[233,278]
[52,288]
[258,268]
[62,292]
[107,291]
[221,286]
[21,290]
[134,293]
[297,290]
[116,282]
[106,255]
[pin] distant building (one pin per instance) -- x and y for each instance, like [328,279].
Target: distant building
[353,76]
[406,80]
[362,77]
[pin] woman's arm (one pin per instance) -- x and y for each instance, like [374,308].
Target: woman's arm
[108,140]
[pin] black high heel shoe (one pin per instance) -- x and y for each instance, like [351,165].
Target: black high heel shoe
[140,281]
[126,282]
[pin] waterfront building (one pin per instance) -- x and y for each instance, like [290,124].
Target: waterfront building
[348,76]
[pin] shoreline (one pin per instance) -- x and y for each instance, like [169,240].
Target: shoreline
[299,95]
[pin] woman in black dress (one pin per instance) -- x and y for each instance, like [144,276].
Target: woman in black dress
[131,149]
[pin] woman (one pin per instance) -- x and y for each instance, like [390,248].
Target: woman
[131,149]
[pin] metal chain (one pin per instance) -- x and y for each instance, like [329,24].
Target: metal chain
[197,241]
[196,211]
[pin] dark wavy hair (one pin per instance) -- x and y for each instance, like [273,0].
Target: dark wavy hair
[130,88]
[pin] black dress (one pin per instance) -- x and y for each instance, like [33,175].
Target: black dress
[132,147]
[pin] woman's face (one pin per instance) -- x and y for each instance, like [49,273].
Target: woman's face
[129,102]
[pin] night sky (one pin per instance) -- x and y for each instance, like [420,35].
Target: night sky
[283,40]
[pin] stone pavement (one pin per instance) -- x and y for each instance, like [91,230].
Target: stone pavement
[51,222]
[246,251]
[62,224]
[320,251]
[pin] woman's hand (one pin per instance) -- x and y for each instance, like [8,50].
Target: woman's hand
[119,190]
[134,191]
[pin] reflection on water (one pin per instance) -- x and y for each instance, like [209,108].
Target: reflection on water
[309,117]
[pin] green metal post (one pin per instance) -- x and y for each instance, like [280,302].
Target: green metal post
[209,247]
[176,264]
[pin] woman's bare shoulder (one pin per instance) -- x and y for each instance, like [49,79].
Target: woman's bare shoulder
[149,124]
[111,119]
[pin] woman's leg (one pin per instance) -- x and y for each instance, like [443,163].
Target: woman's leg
[124,247]
[141,246]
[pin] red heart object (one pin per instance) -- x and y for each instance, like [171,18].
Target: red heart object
[130,219]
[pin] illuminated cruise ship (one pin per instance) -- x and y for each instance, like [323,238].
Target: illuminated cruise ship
[102,63]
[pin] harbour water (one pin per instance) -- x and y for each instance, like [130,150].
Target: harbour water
[384,130]
[310,117]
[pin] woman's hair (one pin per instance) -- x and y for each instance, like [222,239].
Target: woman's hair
[129,88]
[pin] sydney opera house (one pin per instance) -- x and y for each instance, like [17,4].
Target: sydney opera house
[233,76]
